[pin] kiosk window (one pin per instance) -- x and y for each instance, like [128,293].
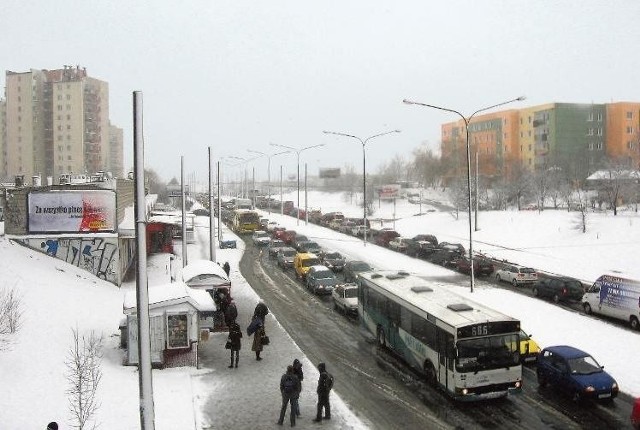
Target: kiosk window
[177,331]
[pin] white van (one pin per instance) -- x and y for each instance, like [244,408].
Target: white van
[615,297]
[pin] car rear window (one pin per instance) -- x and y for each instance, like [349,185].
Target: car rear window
[527,270]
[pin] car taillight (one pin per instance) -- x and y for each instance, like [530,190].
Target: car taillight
[564,291]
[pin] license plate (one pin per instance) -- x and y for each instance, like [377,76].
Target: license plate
[604,396]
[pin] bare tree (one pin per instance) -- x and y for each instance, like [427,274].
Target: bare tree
[582,205]
[458,194]
[10,316]
[83,376]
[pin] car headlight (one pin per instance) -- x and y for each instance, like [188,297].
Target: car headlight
[589,389]
[614,386]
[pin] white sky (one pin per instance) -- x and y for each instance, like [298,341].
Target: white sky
[239,75]
[58,296]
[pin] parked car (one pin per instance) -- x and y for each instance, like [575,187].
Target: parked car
[260,238]
[529,348]
[353,267]
[227,244]
[516,275]
[481,265]
[281,233]
[309,246]
[333,260]
[285,257]
[420,248]
[576,373]
[457,247]
[358,230]
[289,237]
[345,298]
[264,223]
[196,212]
[320,279]
[425,237]
[635,414]
[274,247]
[271,225]
[383,238]
[445,257]
[346,226]
[560,289]
[399,244]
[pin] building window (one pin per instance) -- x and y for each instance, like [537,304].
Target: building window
[59,147]
[599,146]
[68,117]
[59,97]
[600,131]
[629,130]
[59,107]
[629,115]
[629,145]
[68,96]
[529,133]
[521,134]
[59,137]
[529,120]
[599,117]
[590,116]
[68,147]
[68,127]
[590,146]
[59,128]
[69,157]
[590,132]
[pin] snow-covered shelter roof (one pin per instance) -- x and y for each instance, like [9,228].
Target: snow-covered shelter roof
[171,294]
[203,273]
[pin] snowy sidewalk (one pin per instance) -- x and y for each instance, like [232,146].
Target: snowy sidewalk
[249,397]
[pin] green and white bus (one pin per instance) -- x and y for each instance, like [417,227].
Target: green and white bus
[467,349]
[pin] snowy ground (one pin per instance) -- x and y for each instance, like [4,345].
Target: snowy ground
[58,297]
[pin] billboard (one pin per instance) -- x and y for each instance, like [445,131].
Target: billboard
[388,191]
[72,211]
[329,173]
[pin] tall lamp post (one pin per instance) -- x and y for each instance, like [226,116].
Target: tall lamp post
[364,173]
[269,156]
[297,151]
[233,157]
[466,121]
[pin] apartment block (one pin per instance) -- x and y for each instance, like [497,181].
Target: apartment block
[577,138]
[57,122]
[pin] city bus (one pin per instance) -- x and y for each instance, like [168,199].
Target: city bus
[245,221]
[468,350]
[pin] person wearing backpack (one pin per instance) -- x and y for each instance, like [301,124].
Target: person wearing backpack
[289,388]
[325,384]
[297,370]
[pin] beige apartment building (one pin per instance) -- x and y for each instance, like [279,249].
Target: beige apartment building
[57,121]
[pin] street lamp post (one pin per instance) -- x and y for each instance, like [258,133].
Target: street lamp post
[466,121]
[364,173]
[298,151]
[269,156]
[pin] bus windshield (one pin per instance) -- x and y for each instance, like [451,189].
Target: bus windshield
[249,218]
[488,353]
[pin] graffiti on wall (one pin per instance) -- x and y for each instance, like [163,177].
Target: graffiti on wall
[97,255]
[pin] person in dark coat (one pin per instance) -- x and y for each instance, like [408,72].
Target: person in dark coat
[226,268]
[235,334]
[325,384]
[297,370]
[261,311]
[230,314]
[258,334]
[289,388]
[52,426]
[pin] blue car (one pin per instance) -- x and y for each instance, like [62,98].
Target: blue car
[576,373]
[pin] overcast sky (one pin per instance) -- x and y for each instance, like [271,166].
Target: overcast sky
[237,75]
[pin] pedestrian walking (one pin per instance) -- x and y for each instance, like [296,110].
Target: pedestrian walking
[226,268]
[297,370]
[235,334]
[325,384]
[289,388]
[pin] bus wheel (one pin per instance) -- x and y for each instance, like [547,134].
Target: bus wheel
[381,340]
[430,373]
[587,308]
[634,323]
